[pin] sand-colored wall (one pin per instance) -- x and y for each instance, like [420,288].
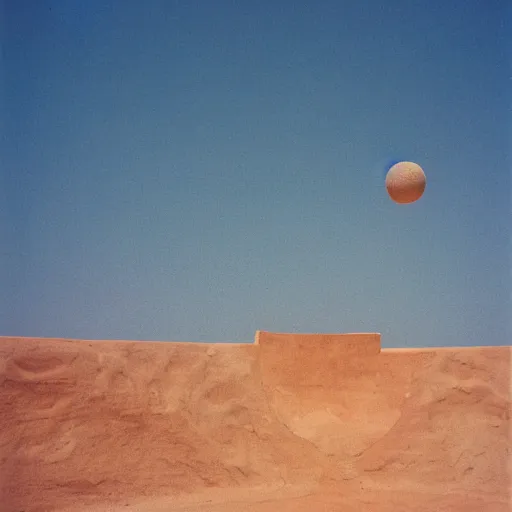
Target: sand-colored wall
[102,420]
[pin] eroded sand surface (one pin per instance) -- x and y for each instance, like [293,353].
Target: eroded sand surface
[314,423]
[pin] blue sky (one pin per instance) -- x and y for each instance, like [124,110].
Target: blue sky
[196,170]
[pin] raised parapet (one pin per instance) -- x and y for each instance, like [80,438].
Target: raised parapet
[315,359]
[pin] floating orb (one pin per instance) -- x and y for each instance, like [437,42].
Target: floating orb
[405,182]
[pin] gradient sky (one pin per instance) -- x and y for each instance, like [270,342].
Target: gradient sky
[196,170]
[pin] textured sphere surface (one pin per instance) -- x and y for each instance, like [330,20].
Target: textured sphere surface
[405,182]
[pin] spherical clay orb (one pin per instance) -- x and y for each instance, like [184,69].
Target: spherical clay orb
[405,182]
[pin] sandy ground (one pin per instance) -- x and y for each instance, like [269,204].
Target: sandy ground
[350,500]
[289,423]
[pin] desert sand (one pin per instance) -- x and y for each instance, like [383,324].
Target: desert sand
[316,423]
